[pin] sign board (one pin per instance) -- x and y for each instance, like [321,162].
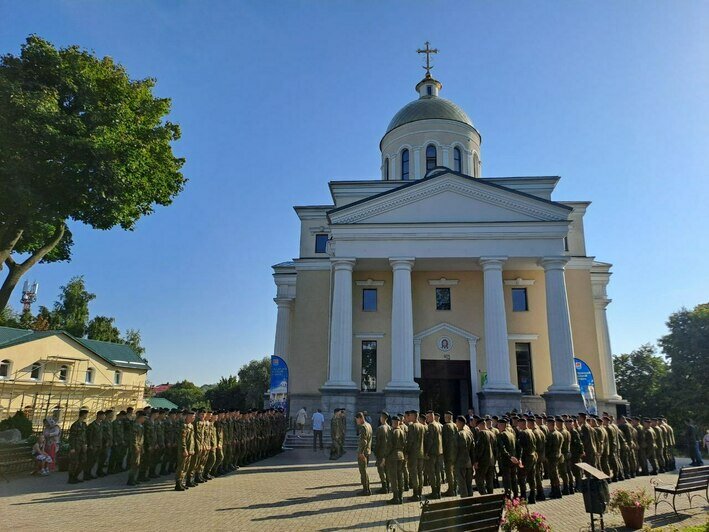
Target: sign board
[584,376]
[278,391]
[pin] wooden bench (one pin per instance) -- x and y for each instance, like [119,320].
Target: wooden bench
[15,457]
[690,479]
[478,514]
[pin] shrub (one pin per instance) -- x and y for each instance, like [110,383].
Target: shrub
[20,422]
[629,498]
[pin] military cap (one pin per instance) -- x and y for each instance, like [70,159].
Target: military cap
[479,421]
[140,413]
[384,413]
[606,418]
[396,418]
[122,413]
[188,412]
[429,411]
[460,418]
[557,418]
[100,413]
[415,412]
[487,418]
[476,417]
[582,414]
[503,420]
[449,413]
[109,412]
[496,418]
[647,420]
[83,410]
[147,407]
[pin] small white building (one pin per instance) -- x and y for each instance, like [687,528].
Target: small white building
[436,287]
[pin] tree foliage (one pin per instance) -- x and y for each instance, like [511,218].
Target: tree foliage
[226,393]
[103,328]
[687,349]
[254,379]
[72,307]
[185,394]
[80,141]
[641,379]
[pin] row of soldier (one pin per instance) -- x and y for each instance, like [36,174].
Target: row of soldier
[149,443]
[413,450]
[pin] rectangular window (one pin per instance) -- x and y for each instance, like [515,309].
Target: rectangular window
[519,300]
[369,365]
[443,298]
[523,352]
[321,243]
[117,377]
[369,299]
[34,374]
[89,376]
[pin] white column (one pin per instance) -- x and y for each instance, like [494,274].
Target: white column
[604,349]
[281,347]
[402,327]
[340,370]
[497,351]
[561,348]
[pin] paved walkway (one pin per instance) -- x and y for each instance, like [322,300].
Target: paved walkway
[296,490]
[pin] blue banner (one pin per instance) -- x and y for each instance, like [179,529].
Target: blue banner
[279,383]
[584,375]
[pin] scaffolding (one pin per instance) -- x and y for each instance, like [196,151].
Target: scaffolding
[61,390]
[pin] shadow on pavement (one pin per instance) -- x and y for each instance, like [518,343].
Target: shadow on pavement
[295,500]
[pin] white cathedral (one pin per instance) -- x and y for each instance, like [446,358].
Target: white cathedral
[436,287]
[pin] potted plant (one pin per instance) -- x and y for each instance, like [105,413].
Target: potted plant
[518,518]
[632,505]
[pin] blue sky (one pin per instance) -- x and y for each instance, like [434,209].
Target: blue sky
[276,98]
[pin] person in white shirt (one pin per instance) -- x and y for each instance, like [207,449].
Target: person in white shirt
[318,424]
[300,418]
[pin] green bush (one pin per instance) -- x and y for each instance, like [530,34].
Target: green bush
[20,422]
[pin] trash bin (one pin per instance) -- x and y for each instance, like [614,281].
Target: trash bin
[596,495]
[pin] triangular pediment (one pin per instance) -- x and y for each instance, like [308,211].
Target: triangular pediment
[449,197]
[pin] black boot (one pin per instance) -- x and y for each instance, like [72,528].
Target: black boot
[179,487]
[541,496]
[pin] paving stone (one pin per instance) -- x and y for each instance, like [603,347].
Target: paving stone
[296,490]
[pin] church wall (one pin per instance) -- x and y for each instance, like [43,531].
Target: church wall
[466,312]
[309,340]
[532,322]
[308,229]
[372,326]
[583,322]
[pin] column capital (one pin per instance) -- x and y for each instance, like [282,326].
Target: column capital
[553,263]
[342,263]
[402,263]
[284,302]
[601,303]
[492,263]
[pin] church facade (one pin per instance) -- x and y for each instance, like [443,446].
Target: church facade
[436,287]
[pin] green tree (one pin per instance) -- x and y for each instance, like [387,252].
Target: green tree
[641,378]
[72,307]
[687,348]
[254,379]
[185,394]
[9,318]
[103,328]
[226,394]
[132,338]
[80,141]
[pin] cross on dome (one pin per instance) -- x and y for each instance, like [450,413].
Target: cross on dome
[428,51]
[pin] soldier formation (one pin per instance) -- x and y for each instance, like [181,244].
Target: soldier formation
[413,450]
[194,446]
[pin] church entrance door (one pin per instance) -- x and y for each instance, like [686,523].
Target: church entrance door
[445,385]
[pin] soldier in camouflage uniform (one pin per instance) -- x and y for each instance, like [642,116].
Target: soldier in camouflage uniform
[185,451]
[554,457]
[77,447]
[118,450]
[527,455]
[148,445]
[450,451]
[507,458]
[649,445]
[541,455]
[576,451]
[484,461]
[135,448]
[94,434]
[660,438]
[106,444]
[394,462]
[628,453]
